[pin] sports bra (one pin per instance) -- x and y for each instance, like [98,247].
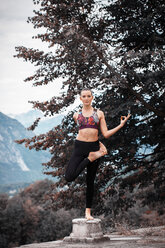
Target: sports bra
[88,122]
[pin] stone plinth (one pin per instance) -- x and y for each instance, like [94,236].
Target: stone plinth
[84,230]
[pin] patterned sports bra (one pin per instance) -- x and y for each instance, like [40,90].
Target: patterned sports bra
[88,122]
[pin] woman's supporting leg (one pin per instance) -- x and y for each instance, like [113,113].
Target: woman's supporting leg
[91,174]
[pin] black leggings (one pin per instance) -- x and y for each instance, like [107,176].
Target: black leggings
[79,161]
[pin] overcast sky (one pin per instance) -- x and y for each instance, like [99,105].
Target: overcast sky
[15,31]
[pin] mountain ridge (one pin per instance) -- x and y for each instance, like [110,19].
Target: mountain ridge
[45,123]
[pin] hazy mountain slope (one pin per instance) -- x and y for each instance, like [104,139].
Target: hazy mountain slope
[45,124]
[17,163]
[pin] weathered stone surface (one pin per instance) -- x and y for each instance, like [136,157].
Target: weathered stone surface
[143,243]
[141,238]
[86,228]
[88,231]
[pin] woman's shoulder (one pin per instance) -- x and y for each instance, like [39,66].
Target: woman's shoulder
[75,115]
[100,113]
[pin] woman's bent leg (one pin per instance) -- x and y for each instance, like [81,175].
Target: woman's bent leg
[75,166]
[79,159]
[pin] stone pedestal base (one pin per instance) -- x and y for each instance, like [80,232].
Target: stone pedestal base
[84,230]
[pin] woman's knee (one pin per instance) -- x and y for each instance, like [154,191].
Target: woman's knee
[68,177]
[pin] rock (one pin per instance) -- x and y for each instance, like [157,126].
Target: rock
[87,231]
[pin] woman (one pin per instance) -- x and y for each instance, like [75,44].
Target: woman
[88,149]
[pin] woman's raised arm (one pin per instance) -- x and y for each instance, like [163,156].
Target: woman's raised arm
[103,126]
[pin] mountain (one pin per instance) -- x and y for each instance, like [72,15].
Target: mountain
[45,124]
[27,118]
[17,163]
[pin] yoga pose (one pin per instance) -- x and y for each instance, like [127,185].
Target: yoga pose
[87,148]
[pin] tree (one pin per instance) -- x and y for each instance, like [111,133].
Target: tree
[116,48]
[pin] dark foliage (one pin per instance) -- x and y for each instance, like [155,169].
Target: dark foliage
[116,48]
[27,217]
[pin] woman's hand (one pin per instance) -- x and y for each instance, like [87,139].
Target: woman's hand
[123,119]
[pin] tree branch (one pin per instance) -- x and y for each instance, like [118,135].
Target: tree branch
[138,96]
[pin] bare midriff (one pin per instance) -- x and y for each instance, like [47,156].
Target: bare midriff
[88,135]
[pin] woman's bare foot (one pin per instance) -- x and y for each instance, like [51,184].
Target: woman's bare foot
[95,155]
[103,148]
[88,214]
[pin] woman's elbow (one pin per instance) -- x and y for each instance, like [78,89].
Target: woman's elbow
[105,135]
